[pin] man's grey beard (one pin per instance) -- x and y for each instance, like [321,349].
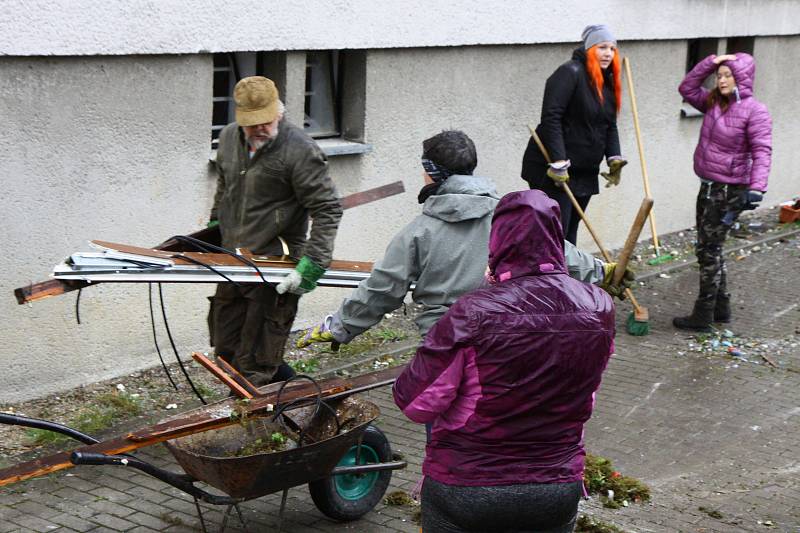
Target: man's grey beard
[257,143]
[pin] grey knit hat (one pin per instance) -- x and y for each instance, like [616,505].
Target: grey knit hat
[597,33]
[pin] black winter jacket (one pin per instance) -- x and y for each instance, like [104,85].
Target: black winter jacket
[574,126]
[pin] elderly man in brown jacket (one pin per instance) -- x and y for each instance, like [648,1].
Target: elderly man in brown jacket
[272,179]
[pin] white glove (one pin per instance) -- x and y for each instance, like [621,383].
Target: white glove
[291,283]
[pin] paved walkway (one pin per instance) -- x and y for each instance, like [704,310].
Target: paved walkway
[704,430]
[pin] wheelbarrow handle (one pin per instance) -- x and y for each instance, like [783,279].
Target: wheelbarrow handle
[36,423]
[182,482]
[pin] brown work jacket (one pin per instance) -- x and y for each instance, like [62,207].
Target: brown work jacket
[274,193]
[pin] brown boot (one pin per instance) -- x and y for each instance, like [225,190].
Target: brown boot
[700,319]
[722,308]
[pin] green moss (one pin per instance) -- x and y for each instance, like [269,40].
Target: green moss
[600,477]
[586,524]
[713,513]
[95,417]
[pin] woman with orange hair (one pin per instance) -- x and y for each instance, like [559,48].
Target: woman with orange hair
[579,126]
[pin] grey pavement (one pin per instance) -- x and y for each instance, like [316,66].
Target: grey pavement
[702,429]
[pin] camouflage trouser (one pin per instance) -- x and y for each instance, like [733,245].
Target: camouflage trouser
[714,201]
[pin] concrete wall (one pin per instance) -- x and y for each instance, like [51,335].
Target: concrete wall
[102,27]
[110,148]
[116,148]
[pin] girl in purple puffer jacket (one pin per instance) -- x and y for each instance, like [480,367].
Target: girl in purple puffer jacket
[732,161]
[507,378]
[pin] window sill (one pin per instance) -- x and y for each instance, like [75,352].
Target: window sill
[330,147]
[687,111]
[339,146]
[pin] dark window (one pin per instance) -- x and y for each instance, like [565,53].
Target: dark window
[225,77]
[741,44]
[321,109]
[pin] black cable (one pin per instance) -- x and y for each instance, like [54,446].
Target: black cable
[78,306]
[208,247]
[206,265]
[155,337]
[174,349]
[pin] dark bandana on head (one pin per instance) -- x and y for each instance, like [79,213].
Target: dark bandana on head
[438,174]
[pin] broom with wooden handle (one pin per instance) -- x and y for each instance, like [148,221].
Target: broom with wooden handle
[638,322]
[652,217]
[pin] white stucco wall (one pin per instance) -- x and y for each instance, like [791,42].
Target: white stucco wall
[103,27]
[111,148]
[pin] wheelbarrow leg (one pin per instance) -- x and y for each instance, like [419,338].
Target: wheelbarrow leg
[228,513]
[200,515]
[283,508]
[241,517]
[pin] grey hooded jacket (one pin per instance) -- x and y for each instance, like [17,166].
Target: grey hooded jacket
[443,253]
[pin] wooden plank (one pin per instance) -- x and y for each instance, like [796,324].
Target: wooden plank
[205,418]
[225,259]
[46,289]
[227,380]
[240,379]
[371,195]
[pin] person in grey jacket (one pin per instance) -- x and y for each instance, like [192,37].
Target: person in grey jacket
[442,252]
[273,180]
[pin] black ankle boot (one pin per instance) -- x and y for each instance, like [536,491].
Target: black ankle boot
[699,320]
[722,308]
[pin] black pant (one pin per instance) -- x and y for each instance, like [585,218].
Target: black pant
[249,326]
[530,507]
[569,215]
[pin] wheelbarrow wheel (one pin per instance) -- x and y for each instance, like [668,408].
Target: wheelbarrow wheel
[349,497]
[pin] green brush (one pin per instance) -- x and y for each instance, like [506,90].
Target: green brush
[638,327]
[661,259]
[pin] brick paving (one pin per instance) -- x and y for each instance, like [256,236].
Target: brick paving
[703,430]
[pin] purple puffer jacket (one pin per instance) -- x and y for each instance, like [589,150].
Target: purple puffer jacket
[735,146]
[508,375]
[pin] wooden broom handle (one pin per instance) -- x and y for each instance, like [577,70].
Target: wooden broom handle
[633,237]
[577,207]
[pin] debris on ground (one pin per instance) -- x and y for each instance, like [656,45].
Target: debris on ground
[724,342]
[615,490]
[587,524]
[713,513]
[399,498]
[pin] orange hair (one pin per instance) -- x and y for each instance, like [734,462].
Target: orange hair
[596,75]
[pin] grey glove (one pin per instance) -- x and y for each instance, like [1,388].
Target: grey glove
[752,199]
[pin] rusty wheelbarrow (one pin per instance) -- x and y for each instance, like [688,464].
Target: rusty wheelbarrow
[332,446]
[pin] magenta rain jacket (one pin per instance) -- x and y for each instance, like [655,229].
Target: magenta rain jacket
[735,146]
[507,376]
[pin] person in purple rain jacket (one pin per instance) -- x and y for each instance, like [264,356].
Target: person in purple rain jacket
[732,160]
[507,378]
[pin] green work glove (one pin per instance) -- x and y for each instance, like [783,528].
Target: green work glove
[319,333]
[558,172]
[302,279]
[617,291]
[212,223]
[613,175]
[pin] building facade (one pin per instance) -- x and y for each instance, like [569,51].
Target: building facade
[110,110]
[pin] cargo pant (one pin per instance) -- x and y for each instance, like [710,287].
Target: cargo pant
[714,202]
[249,326]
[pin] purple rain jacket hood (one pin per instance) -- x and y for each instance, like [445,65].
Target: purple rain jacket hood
[735,146]
[507,376]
